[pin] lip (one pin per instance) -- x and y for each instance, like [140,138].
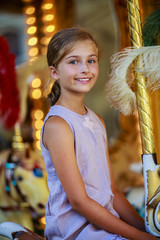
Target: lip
[83,80]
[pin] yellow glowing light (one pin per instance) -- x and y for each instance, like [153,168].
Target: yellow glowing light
[38,134]
[30,10]
[31,30]
[36,93]
[30,20]
[48,17]
[43,220]
[47,6]
[32,41]
[26,1]
[33,52]
[50,28]
[38,124]
[38,114]
[36,82]
[37,145]
[45,40]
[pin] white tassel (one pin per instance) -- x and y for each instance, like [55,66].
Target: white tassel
[118,89]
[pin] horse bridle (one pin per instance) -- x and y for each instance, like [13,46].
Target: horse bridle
[10,166]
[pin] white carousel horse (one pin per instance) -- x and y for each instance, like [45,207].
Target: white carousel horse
[23,187]
[15,231]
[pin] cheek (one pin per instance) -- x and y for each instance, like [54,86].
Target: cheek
[95,70]
[70,70]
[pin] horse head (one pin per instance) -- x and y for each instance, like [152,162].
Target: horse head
[25,180]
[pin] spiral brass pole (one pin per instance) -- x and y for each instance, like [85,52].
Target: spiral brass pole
[142,95]
[17,141]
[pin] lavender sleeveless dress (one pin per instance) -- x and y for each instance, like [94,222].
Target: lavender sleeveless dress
[62,222]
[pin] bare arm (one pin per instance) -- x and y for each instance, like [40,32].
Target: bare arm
[59,140]
[123,207]
[125,210]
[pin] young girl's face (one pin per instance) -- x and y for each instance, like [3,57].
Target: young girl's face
[78,70]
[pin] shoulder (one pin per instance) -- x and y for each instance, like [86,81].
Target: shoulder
[55,121]
[56,126]
[102,124]
[101,119]
[98,116]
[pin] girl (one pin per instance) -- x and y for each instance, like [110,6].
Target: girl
[84,202]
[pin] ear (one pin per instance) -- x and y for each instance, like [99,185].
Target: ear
[54,73]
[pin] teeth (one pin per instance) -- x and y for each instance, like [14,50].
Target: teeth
[84,80]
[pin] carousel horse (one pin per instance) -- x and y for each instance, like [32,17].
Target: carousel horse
[23,192]
[15,231]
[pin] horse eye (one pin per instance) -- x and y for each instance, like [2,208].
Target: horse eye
[20,178]
[38,172]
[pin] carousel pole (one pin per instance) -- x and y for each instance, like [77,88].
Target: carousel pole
[17,141]
[150,167]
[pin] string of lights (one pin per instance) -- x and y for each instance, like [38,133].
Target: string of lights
[40,27]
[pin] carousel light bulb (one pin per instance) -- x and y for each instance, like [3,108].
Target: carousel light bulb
[32,41]
[31,30]
[38,134]
[36,93]
[30,20]
[43,220]
[48,17]
[26,1]
[37,144]
[50,28]
[45,40]
[36,82]
[30,10]
[47,6]
[33,52]
[38,124]
[38,114]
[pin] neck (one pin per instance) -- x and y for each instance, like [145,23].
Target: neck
[75,104]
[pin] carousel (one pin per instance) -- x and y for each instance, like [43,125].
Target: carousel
[129,33]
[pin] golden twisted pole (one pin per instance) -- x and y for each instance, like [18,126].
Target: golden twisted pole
[17,141]
[141,89]
[150,167]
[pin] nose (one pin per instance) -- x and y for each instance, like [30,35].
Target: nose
[84,68]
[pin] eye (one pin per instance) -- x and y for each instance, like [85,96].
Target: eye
[19,178]
[38,172]
[91,61]
[73,62]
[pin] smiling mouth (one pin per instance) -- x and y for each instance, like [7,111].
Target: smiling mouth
[83,80]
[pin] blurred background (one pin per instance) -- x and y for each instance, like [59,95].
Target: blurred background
[26,27]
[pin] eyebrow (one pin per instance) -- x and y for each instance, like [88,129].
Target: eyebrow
[76,56]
